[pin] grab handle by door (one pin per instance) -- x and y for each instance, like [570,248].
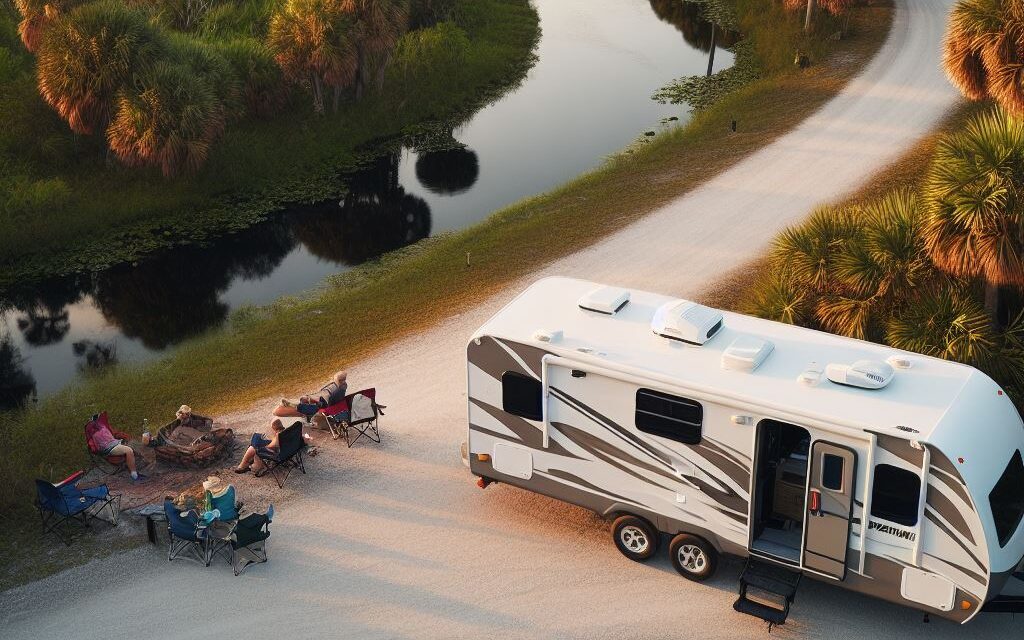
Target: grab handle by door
[814,502]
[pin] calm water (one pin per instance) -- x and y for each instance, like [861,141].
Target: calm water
[587,96]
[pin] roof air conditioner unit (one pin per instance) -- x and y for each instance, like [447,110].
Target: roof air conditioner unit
[746,354]
[686,321]
[606,300]
[865,374]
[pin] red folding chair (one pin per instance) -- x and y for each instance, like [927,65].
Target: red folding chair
[355,417]
[110,465]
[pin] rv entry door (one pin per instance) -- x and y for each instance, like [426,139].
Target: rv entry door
[830,491]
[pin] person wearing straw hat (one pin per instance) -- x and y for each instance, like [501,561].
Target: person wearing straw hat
[185,418]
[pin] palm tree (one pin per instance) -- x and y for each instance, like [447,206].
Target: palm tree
[779,296]
[264,91]
[945,324]
[36,15]
[974,198]
[208,63]
[170,121]
[809,251]
[835,7]
[87,55]
[315,44]
[380,23]
[984,52]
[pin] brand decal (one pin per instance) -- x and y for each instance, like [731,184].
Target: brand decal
[891,530]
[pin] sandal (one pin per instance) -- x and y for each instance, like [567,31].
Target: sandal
[261,473]
[245,470]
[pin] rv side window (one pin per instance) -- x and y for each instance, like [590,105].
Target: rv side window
[668,416]
[1007,499]
[896,495]
[521,395]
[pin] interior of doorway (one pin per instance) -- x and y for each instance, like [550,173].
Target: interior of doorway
[780,490]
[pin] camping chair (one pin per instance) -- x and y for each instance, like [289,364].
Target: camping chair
[110,465]
[186,534]
[225,504]
[357,413]
[288,456]
[246,543]
[64,503]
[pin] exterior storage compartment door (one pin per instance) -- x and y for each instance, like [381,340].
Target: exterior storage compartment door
[830,491]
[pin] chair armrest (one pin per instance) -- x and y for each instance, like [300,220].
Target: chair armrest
[121,435]
[70,480]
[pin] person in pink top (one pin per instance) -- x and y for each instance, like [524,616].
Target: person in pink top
[108,445]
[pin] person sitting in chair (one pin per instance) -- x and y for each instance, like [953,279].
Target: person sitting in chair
[107,445]
[307,406]
[185,418]
[260,445]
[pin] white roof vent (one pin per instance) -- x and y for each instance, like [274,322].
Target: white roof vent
[746,353]
[548,335]
[686,321]
[606,300]
[865,374]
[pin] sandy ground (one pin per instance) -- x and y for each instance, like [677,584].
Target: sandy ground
[395,541]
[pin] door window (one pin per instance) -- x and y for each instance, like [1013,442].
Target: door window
[832,472]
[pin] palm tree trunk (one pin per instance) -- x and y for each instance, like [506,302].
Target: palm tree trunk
[337,98]
[810,14]
[992,302]
[318,95]
[711,58]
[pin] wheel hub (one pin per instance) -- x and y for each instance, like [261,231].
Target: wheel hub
[692,558]
[634,539]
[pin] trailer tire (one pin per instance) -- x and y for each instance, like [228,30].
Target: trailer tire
[693,557]
[635,537]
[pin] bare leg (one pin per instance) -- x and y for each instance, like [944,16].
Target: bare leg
[247,459]
[128,453]
[282,411]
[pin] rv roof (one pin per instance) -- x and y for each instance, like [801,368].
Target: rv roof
[917,397]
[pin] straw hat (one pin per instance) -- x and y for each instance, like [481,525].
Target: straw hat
[184,410]
[213,485]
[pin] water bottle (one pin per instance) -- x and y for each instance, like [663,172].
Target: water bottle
[145,432]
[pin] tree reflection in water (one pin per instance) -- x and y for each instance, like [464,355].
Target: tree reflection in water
[449,171]
[374,217]
[44,311]
[16,384]
[688,18]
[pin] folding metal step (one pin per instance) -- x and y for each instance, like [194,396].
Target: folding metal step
[767,591]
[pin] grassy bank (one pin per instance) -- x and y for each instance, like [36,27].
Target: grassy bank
[56,210]
[266,350]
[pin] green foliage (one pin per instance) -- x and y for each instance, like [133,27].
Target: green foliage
[32,198]
[443,46]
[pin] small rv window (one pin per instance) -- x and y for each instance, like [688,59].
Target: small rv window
[668,416]
[896,495]
[832,472]
[521,395]
[1007,499]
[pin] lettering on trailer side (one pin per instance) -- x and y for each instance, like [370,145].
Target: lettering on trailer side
[874,525]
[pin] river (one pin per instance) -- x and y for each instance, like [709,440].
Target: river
[587,96]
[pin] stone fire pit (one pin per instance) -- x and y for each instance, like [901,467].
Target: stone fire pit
[197,445]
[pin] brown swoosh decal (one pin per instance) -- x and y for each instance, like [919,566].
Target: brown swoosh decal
[598,447]
[528,434]
[554,447]
[734,455]
[530,355]
[977,577]
[940,461]
[565,475]
[942,506]
[492,358]
[736,473]
[900,448]
[611,426]
[931,518]
[953,484]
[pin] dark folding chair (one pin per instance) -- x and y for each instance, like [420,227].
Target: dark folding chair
[110,465]
[186,535]
[247,541]
[356,417]
[65,503]
[288,456]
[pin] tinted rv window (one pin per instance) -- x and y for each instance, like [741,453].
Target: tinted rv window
[668,416]
[521,395]
[832,472]
[1007,499]
[896,495]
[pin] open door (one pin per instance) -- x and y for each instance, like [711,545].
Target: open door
[830,491]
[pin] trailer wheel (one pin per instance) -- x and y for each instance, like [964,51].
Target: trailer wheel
[693,557]
[635,537]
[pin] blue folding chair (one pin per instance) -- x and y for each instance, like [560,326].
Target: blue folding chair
[246,542]
[65,503]
[186,535]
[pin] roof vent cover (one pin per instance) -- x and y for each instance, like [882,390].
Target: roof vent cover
[746,353]
[606,300]
[864,374]
[686,321]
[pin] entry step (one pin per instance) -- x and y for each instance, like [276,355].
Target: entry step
[767,591]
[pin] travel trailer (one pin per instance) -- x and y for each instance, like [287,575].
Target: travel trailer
[881,471]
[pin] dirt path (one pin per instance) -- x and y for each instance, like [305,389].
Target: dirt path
[396,541]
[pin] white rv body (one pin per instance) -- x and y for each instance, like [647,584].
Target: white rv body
[753,407]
